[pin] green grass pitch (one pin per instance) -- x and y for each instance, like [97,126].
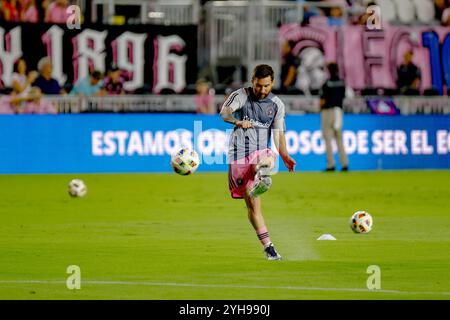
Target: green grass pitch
[163,236]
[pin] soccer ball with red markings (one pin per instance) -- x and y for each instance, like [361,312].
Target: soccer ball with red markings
[361,222]
[185,161]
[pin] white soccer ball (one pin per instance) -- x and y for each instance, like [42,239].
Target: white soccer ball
[77,188]
[361,222]
[185,161]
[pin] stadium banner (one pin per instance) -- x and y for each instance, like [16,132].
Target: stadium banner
[163,57]
[99,143]
[369,58]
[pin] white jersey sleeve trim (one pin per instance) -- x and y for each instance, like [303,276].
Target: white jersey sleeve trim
[236,100]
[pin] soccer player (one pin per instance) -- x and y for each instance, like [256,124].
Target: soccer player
[255,112]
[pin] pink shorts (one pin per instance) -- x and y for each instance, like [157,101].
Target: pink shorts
[241,173]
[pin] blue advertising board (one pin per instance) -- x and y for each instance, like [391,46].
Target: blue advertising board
[88,143]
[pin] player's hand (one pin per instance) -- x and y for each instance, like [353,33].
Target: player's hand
[290,163]
[245,124]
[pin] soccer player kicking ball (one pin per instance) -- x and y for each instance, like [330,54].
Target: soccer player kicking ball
[255,112]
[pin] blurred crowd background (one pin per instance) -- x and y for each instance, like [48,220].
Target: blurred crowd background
[218,74]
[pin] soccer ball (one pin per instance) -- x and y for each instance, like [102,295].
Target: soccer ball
[361,222]
[185,161]
[77,188]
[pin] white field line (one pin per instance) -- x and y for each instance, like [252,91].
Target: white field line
[234,286]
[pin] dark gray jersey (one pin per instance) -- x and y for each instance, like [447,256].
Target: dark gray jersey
[265,115]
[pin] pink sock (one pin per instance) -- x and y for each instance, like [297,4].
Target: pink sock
[263,236]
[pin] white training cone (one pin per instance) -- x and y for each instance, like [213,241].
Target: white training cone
[326,237]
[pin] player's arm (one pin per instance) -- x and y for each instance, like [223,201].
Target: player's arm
[279,127]
[232,104]
[280,144]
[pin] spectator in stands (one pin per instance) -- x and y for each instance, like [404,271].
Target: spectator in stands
[92,85]
[356,9]
[445,21]
[311,11]
[289,66]
[408,75]
[114,82]
[56,12]
[30,103]
[42,7]
[12,103]
[336,17]
[21,81]
[8,104]
[29,11]
[365,15]
[10,10]
[439,8]
[44,81]
[331,102]
[204,99]
[35,105]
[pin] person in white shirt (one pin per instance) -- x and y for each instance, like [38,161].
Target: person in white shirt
[21,81]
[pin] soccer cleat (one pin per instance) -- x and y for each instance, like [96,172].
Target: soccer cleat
[261,185]
[271,253]
[263,181]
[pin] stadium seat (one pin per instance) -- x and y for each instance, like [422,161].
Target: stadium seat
[405,10]
[388,10]
[425,10]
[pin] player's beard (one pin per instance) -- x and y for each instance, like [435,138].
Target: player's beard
[260,95]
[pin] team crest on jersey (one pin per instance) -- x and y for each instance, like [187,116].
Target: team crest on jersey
[270,111]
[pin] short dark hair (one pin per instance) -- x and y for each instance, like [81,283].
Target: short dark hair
[96,75]
[333,69]
[262,71]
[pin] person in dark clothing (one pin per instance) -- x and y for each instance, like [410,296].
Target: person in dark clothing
[408,75]
[289,67]
[44,81]
[439,8]
[114,81]
[331,100]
